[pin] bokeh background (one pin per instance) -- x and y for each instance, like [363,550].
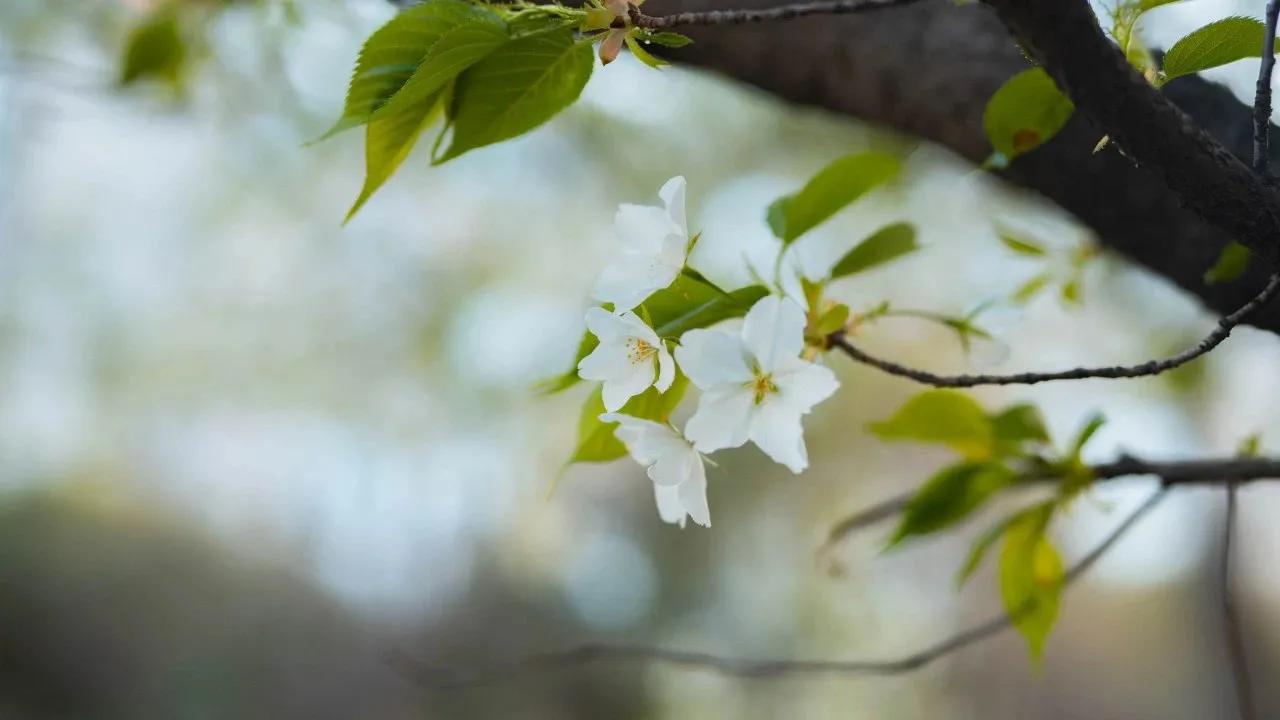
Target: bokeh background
[257,464]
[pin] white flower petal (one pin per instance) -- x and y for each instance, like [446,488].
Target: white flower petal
[670,508]
[713,357]
[607,326]
[672,194]
[643,228]
[776,429]
[621,388]
[649,443]
[693,493]
[628,283]
[722,420]
[609,360]
[772,330]
[666,369]
[801,385]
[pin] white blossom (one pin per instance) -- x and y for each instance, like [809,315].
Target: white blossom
[754,384]
[675,467]
[655,243]
[629,358]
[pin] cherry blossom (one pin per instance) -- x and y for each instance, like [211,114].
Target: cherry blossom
[675,467]
[655,243]
[629,358]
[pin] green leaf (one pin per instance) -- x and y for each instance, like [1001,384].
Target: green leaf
[945,417]
[1031,578]
[1086,433]
[1215,44]
[1017,426]
[1022,246]
[395,52]
[1025,113]
[884,245]
[570,377]
[641,54]
[665,39]
[155,49]
[834,187]
[692,302]
[1231,264]
[460,47]
[517,88]
[388,141]
[596,440]
[950,496]
[978,551]
[832,320]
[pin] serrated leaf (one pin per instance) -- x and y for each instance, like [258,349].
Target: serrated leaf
[395,51]
[1026,112]
[460,47]
[596,440]
[1214,45]
[1031,577]
[884,245]
[388,141]
[518,87]
[945,417]
[950,496]
[1022,246]
[1231,264]
[831,190]
[978,551]
[691,302]
[155,49]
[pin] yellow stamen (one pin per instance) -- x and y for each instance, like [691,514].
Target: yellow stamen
[639,351]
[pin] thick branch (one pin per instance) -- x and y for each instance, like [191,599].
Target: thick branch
[1150,367]
[750,668]
[1262,94]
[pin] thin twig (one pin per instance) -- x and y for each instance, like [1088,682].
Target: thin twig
[773,14]
[1262,96]
[440,679]
[1231,618]
[1151,367]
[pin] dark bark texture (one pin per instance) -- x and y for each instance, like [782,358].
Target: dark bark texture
[927,69]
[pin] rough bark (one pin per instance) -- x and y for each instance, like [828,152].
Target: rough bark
[927,69]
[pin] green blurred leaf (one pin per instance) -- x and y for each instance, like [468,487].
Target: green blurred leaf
[831,320]
[596,440]
[1215,44]
[464,44]
[945,417]
[1231,264]
[831,190]
[518,87]
[388,141]
[692,302]
[1125,18]
[950,496]
[978,551]
[1025,113]
[641,54]
[1017,426]
[396,51]
[1031,578]
[155,49]
[884,245]
[1022,246]
[1086,433]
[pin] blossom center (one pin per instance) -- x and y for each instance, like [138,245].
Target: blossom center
[762,386]
[639,350]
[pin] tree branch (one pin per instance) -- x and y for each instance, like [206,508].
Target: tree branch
[1151,367]
[1231,618]
[752,668]
[1262,96]
[773,14]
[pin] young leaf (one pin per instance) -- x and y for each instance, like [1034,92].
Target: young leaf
[596,441]
[517,88]
[830,321]
[941,416]
[979,549]
[1031,578]
[1231,264]
[1215,44]
[395,51]
[641,54]
[950,496]
[691,302]
[1018,425]
[388,141]
[884,245]
[463,45]
[665,39]
[834,187]
[1086,433]
[155,49]
[1025,113]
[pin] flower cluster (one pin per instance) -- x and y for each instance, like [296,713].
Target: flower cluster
[754,384]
